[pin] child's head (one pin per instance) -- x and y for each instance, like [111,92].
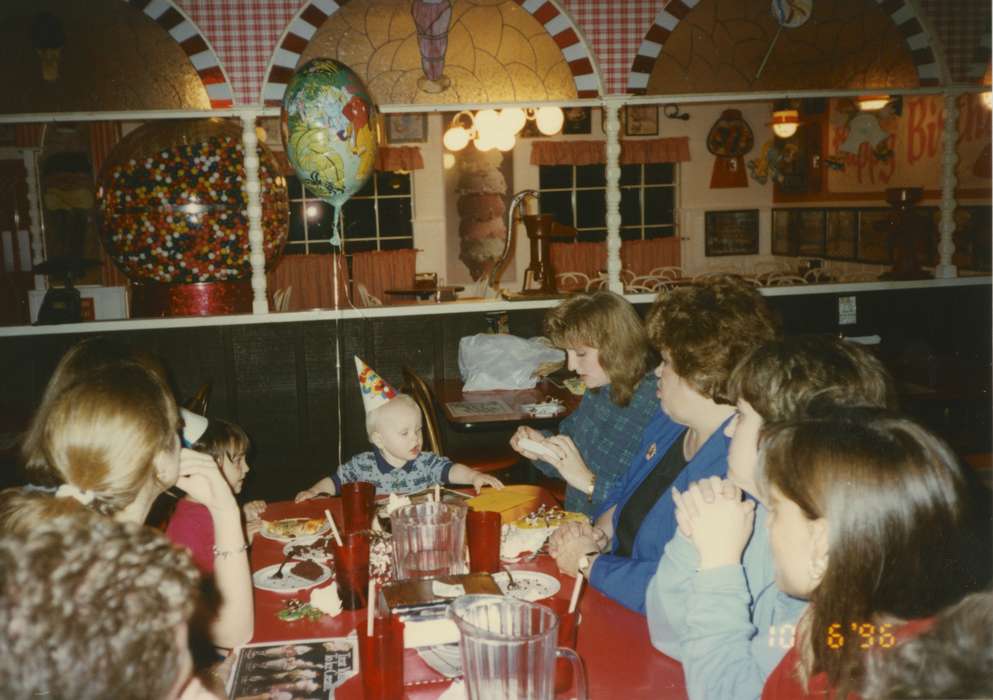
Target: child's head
[867,519]
[396,429]
[228,444]
[111,439]
[791,378]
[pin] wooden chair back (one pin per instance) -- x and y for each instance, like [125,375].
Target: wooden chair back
[418,389]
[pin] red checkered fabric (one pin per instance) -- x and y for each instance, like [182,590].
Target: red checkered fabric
[959,27]
[244,34]
[614,31]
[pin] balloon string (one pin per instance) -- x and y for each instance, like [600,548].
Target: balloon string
[335,229]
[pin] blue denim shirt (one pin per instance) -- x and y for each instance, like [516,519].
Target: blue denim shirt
[426,469]
[607,437]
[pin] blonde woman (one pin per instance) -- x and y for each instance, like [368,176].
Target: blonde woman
[606,345]
[109,442]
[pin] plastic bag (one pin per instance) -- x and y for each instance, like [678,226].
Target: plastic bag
[498,361]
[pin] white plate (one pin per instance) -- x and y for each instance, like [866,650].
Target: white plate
[529,585]
[266,532]
[320,556]
[290,583]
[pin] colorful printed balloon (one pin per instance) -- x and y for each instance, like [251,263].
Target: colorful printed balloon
[328,126]
[172,203]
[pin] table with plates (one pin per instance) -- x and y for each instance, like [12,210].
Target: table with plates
[613,641]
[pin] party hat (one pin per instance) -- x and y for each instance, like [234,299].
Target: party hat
[376,391]
[194,426]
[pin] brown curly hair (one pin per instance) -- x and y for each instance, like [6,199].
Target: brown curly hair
[706,328]
[90,609]
[607,322]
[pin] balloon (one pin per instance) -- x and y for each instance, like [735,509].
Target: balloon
[328,127]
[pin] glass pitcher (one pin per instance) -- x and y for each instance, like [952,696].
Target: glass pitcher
[508,649]
[428,540]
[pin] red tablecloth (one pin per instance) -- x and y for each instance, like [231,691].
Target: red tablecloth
[613,641]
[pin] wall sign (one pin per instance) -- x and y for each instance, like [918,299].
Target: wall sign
[732,232]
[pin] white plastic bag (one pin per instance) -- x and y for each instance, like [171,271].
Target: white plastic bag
[499,361]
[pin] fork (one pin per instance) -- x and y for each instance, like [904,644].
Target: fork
[279,571]
[511,584]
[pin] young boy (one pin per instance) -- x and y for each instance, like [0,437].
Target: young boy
[713,603]
[396,463]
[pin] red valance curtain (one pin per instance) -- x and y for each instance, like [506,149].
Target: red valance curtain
[641,257]
[590,259]
[393,158]
[668,150]
[384,269]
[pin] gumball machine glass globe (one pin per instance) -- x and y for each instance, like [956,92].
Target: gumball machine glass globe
[173,208]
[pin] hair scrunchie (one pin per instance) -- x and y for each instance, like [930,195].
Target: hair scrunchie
[71,491]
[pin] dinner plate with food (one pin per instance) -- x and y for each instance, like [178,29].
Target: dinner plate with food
[289,529]
[313,548]
[291,576]
[528,534]
[527,585]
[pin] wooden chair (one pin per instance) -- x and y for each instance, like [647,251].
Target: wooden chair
[491,461]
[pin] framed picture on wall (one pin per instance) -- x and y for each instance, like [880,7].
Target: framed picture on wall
[842,234]
[873,244]
[641,120]
[577,120]
[809,231]
[732,232]
[781,220]
[406,128]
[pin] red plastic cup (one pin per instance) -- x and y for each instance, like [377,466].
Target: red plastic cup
[568,632]
[483,533]
[351,566]
[357,503]
[381,659]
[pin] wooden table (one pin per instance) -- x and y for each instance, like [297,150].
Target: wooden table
[613,641]
[492,409]
[443,292]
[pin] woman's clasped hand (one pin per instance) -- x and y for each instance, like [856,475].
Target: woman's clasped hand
[712,514]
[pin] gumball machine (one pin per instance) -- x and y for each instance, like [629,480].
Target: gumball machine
[173,216]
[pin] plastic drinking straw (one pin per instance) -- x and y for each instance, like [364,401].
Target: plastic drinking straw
[575,593]
[437,493]
[334,528]
[372,606]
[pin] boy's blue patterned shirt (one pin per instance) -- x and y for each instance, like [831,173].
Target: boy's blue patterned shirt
[607,437]
[424,470]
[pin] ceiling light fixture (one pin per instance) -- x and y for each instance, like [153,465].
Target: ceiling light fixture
[872,103]
[785,122]
[489,129]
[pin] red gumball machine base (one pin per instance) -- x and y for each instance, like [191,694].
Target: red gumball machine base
[158,300]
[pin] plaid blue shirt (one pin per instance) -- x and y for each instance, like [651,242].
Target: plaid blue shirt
[424,470]
[607,437]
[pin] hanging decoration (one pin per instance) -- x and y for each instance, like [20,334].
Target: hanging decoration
[729,139]
[328,127]
[775,158]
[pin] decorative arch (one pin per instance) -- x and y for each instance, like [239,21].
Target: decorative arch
[903,14]
[194,44]
[556,22]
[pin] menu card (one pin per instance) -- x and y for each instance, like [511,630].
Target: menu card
[309,668]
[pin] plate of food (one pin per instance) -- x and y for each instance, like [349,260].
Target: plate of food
[529,533]
[295,576]
[291,528]
[313,548]
[527,585]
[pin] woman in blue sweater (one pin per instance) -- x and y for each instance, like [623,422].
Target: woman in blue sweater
[606,345]
[701,332]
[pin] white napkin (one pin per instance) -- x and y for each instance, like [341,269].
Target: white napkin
[456,691]
[327,599]
[447,590]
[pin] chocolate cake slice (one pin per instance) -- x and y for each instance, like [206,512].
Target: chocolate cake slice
[308,570]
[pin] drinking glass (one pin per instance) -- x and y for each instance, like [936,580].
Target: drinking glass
[568,632]
[428,540]
[509,648]
[483,533]
[351,566]
[381,659]
[357,504]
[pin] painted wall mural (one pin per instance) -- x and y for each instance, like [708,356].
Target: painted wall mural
[436,51]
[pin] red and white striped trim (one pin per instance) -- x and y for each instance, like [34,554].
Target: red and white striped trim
[902,13]
[559,25]
[194,44]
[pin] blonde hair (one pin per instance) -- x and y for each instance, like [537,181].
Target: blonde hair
[374,418]
[90,608]
[607,322]
[100,435]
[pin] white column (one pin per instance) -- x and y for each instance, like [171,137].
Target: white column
[946,247]
[250,142]
[30,156]
[612,128]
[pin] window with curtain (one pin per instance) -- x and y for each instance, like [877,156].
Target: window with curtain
[576,195]
[378,217]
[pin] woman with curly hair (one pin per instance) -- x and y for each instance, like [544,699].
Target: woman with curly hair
[701,332]
[95,609]
[606,346]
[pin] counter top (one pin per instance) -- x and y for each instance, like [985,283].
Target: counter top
[453,307]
